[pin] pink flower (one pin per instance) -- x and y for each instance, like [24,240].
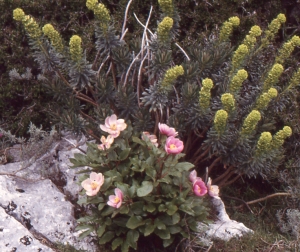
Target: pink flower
[113,125]
[152,138]
[106,142]
[199,187]
[116,200]
[213,190]
[166,130]
[93,184]
[173,145]
[193,176]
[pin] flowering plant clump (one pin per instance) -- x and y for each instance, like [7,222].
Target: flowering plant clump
[139,187]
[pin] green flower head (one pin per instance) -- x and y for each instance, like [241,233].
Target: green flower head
[91,4]
[54,37]
[250,122]
[167,7]
[75,48]
[235,21]
[264,143]
[280,136]
[295,40]
[255,31]
[281,17]
[239,55]
[32,27]
[18,14]
[205,95]
[226,31]
[220,121]
[171,75]
[228,102]
[238,80]
[273,93]
[273,76]
[164,28]
[249,41]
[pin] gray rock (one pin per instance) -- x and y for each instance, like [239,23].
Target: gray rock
[35,211]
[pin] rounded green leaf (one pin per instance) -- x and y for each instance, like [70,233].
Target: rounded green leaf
[134,222]
[145,189]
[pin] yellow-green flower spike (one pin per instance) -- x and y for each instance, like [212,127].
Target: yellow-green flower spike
[280,136]
[164,28]
[250,122]
[272,30]
[75,48]
[273,76]
[32,27]
[91,4]
[227,28]
[166,7]
[238,56]
[54,37]
[264,143]
[228,102]
[238,80]
[281,17]
[255,31]
[265,98]
[295,40]
[220,121]
[18,14]
[171,75]
[294,81]
[273,93]
[234,20]
[204,94]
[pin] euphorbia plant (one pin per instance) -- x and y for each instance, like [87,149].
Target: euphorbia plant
[146,189]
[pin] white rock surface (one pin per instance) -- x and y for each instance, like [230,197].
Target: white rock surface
[35,212]
[224,228]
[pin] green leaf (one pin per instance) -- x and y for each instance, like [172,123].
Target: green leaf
[168,242]
[124,154]
[162,208]
[116,243]
[163,234]
[149,229]
[175,229]
[85,233]
[175,218]
[150,208]
[184,166]
[160,225]
[101,206]
[106,185]
[82,201]
[138,140]
[132,191]
[137,207]
[187,210]
[124,209]
[112,156]
[145,189]
[101,230]
[134,222]
[107,211]
[107,237]
[120,221]
[132,237]
[125,246]
[96,200]
[171,209]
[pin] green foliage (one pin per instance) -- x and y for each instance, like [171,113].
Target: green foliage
[157,197]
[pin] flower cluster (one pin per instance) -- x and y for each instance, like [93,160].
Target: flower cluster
[264,143]
[167,7]
[164,28]
[93,184]
[287,49]
[239,56]
[220,121]
[250,39]
[173,145]
[113,126]
[18,14]
[228,102]
[280,136]
[227,28]
[273,76]
[204,94]
[170,76]
[294,81]
[264,99]
[250,122]
[75,48]
[238,80]
[54,37]
[273,28]
[199,187]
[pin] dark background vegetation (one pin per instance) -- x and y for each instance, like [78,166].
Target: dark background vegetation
[22,102]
